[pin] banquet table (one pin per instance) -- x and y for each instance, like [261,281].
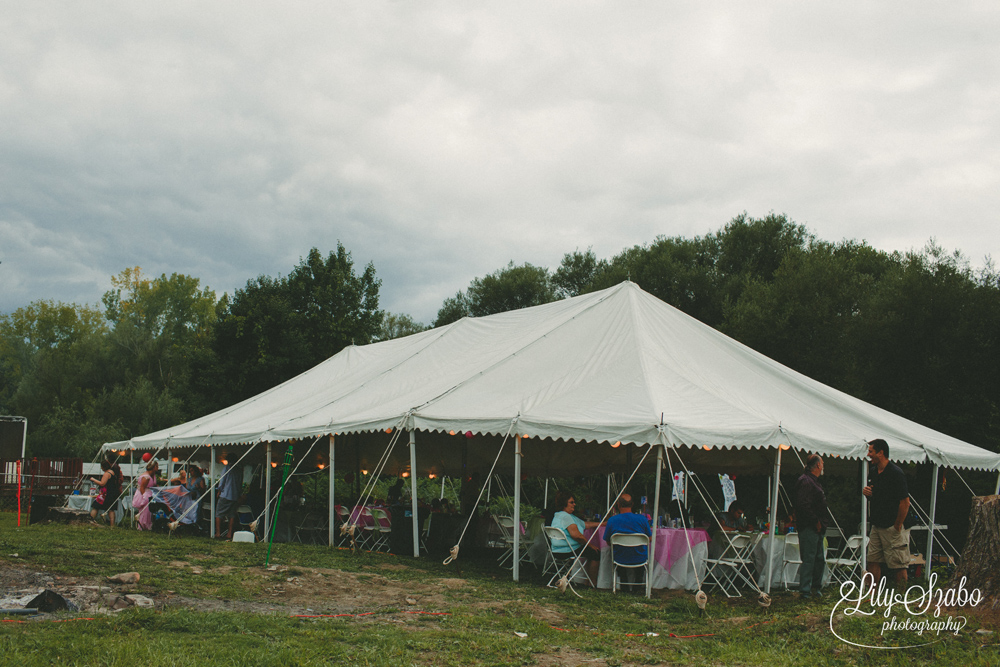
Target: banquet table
[786,576]
[83,502]
[673,565]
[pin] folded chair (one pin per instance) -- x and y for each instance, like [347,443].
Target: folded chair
[847,565]
[734,564]
[790,556]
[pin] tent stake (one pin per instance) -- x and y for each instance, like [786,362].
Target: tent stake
[930,523]
[331,505]
[774,519]
[413,493]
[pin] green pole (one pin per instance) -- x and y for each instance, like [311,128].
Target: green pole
[277,507]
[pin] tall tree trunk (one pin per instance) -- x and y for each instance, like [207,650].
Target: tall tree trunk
[980,562]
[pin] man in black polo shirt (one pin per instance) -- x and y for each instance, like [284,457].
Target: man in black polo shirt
[890,502]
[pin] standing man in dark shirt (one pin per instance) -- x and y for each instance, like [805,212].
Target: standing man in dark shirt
[810,516]
[890,502]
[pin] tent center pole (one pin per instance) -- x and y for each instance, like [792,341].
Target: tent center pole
[517,507]
[331,504]
[656,512]
[545,501]
[774,520]
[413,493]
[930,523]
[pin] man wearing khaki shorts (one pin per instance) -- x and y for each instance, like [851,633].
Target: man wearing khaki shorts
[889,541]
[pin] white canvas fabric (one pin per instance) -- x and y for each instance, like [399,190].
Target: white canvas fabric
[615,365]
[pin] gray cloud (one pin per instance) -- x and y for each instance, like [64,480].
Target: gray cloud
[440,141]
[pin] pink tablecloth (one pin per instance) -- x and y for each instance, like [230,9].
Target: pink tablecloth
[671,543]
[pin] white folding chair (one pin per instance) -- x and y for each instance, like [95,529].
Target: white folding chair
[563,561]
[733,565]
[791,555]
[506,525]
[628,540]
[381,528]
[847,564]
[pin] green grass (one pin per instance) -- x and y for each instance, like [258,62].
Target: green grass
[479,627]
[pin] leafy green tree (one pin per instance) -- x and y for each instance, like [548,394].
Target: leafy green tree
[275,328]
[510,288]
[575,274]
[161,331]
[398,325]
[453,309]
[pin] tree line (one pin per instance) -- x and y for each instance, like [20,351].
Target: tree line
[915,333]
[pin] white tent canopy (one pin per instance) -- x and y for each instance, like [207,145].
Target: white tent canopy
[615,365]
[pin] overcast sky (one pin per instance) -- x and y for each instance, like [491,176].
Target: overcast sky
[442,140]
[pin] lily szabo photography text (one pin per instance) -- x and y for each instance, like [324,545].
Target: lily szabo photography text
[916,609]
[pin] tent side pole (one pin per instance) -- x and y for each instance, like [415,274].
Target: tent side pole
[997,492]
[656,512]
[413,493]
[212,494]
[131,467]
[267,492]
[930,525]
[774,520]
[517,507]
[332,514]
[607,496]
[443,478]
[170,465]
[864,515]
[545,502]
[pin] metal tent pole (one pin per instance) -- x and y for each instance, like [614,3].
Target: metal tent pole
[864,515]
[517,507]
[545,503]
[774,519]
[131,472]
[997,492]
[331,527]
[413,493]
[443,478]
[930,525]
[212,494]
[267,492]
[656,512]
[170,465]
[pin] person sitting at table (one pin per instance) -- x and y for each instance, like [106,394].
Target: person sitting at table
[573,527]
[111,480]
[627,521]
[733,518]
[395,493]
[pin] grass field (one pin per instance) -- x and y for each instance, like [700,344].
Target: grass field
[217,605]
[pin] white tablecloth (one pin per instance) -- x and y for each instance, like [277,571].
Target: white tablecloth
[781,577]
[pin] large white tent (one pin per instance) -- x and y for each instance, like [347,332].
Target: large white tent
[610,367]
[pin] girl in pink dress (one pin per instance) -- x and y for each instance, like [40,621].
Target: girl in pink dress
[144,494]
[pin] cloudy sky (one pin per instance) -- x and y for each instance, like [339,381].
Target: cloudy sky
[441,140]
